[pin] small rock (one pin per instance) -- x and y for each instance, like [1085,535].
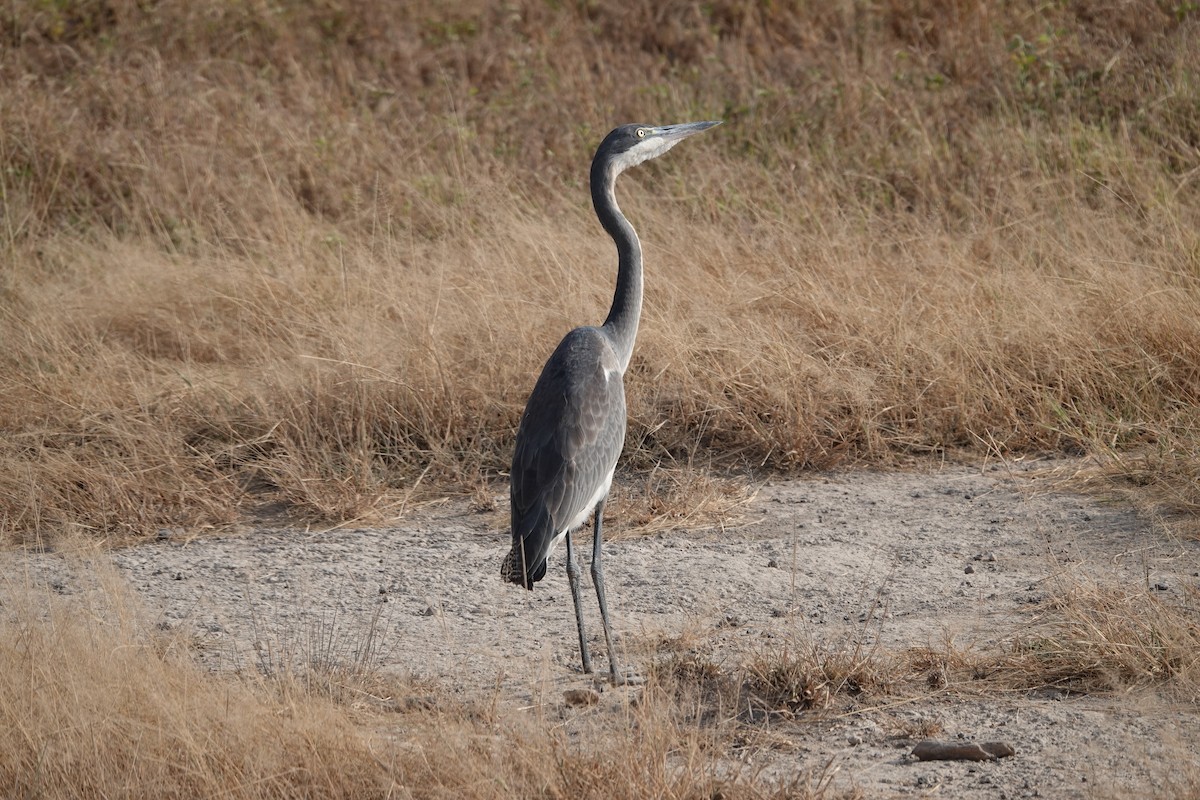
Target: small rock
[773,564]
[854,740]
[969,569]
[932,750]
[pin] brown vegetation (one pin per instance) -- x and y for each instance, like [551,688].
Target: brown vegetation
[313,254]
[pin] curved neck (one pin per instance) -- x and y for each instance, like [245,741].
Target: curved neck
[622,321]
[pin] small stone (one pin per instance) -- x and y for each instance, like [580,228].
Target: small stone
[933,750]
[969,569]
[773,564]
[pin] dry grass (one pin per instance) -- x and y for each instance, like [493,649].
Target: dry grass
[310,256]
[1107,639]
[96,704]
[1086,639]
[1089,639]
[747,694]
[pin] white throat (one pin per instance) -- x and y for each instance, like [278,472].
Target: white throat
[642,151]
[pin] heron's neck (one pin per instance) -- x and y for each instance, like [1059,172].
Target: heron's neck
[622,321]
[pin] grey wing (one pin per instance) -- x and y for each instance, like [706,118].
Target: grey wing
[569,440]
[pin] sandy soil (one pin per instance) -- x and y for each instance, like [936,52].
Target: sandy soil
[898,559]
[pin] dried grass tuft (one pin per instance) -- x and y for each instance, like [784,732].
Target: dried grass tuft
[1088,639]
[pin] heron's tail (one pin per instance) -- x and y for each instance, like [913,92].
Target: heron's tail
[515,569]
[525,564]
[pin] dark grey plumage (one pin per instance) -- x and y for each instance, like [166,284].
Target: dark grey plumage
[570,438]
[573,428]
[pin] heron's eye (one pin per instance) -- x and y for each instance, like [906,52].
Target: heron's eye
[641,133]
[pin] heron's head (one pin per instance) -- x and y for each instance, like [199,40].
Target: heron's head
[630,145]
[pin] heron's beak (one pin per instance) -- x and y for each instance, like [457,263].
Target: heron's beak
[683,130]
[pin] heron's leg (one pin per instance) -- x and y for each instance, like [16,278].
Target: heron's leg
[618,677]
[573,579]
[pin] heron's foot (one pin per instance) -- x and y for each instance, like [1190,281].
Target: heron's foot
[585,657]
[626,676]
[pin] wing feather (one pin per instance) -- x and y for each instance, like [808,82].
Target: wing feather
[568,443]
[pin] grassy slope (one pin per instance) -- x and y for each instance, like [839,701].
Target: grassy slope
[316,253]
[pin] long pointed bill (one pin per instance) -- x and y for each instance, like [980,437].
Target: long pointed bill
[674,133]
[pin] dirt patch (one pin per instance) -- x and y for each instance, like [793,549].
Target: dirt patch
[877,562]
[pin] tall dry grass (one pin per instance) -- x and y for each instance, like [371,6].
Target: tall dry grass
[94,705]
[314,254]
[1085,639]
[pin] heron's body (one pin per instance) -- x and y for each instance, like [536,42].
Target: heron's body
[573,428]
[560,471]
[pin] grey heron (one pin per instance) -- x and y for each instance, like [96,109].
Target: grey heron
[573,428]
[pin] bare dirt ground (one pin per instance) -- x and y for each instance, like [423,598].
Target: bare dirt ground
[893,560]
